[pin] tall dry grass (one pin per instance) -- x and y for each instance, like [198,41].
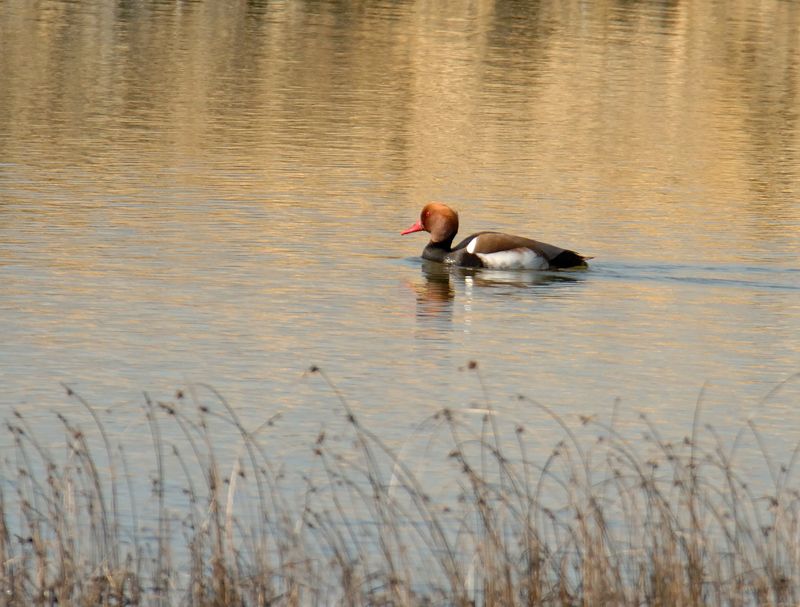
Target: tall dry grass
[606,521]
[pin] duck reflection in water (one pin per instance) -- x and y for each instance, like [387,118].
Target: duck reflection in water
[437,292]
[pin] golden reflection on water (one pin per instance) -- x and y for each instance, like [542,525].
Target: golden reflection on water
[652,96]
[228,180]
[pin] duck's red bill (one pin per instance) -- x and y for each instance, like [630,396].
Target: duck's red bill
[417,227]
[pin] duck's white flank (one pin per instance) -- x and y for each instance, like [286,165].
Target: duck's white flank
[514,259]
[520,258]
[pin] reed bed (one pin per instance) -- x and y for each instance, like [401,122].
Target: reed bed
[606,521]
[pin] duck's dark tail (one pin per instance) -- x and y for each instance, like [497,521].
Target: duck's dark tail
[569,259]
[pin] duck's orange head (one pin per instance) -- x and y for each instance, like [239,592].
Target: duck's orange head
[438,219]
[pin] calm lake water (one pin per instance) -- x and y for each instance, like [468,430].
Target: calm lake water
[212,192]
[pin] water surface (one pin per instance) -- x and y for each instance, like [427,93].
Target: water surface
[213,192]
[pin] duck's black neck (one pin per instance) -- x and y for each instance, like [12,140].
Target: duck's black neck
[437,251]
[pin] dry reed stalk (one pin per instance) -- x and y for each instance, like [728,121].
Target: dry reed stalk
[610,521]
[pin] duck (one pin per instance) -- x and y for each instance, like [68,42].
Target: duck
[492,250]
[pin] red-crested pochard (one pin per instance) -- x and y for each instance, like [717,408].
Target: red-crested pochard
[487,249]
